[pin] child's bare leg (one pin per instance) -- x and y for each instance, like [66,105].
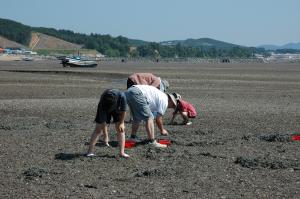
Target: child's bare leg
[95,137]
[121,139]
[105,136]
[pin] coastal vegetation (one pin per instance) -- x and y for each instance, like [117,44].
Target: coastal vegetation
[123,47]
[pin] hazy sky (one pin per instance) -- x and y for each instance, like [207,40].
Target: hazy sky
[244,22]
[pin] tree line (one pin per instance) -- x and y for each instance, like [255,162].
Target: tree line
[15,31]
[121,46]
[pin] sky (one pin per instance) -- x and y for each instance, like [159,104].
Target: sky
[242,22]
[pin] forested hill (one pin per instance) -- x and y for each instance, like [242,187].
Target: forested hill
[122,46]
[110,46]
[15,31]
[203,42]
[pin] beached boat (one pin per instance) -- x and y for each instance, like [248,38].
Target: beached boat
[78,62]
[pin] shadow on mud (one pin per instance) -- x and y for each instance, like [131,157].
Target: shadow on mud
[102,144]
[115,144]
[70,156]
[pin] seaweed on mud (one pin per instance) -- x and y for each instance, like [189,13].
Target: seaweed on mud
[5,127]
[205,143]
[152,153]
[200,132]
[148,173]
[212,156]
[90,186]
[246,137]
[155,172]
[256,163]
[35,172]
[277,137]
[59,124]
[20,125]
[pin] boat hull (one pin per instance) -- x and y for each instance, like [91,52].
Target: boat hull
[78,63]
[84,65]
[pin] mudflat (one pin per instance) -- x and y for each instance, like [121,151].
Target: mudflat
[239,146]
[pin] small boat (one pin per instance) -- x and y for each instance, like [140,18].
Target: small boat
[27,59]
[78,62]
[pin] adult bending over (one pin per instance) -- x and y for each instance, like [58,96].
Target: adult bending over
[147,79]
[147,102]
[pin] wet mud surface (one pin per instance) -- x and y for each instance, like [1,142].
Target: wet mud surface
[239,146]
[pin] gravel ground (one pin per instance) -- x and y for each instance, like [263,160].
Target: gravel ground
[239,146]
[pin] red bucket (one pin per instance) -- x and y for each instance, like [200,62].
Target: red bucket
[164,141]
[295,137]
[129,144]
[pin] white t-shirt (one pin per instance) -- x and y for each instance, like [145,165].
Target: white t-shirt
[157,99]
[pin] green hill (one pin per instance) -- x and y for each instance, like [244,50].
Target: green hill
[201,43]
[104,44]
[15,31]
[121,46]
[137,42]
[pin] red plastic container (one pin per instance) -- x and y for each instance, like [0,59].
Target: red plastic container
[129,144]
[164,141]
[296,137]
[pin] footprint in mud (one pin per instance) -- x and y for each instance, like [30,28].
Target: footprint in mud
[268,163]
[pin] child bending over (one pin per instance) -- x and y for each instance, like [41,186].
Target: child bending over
[185,109]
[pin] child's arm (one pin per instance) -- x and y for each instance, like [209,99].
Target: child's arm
[175,113]
[173,118]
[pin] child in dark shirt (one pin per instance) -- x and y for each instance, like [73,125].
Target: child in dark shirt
[112,105]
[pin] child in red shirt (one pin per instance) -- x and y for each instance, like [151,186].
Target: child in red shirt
[185,109]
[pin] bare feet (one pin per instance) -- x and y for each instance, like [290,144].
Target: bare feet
[124,155]
[164,132]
